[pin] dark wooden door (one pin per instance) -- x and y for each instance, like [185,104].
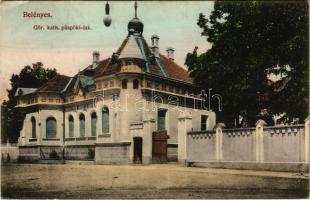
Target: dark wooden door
[159,147]
[137,150]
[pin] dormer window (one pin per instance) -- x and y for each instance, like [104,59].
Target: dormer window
[20,92]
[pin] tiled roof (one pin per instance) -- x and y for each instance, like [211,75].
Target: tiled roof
[120,49]
[175,71]
[131,49]
[98,71]
[56,84]
[70,86]
[135,47]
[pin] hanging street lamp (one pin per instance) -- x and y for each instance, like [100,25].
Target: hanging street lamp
[107,20]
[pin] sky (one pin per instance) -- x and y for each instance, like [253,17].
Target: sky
[70,51]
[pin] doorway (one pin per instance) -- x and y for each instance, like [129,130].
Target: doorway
[137,150]
[159,147]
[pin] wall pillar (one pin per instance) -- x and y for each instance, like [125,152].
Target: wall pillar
[148,129]
[307,139]
[259,140]
[40,131]
[219,141]
[184,126]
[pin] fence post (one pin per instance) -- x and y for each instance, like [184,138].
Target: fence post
[184,126]
[219,141]
[307,138]
[259,140]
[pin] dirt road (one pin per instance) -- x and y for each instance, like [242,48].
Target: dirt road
[151,181]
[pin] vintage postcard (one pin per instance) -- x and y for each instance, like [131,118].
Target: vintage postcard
[154,99]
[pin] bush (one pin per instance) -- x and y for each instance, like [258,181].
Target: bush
[53,155]
[91,153]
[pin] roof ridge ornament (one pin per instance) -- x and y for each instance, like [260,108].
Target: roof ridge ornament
[136,7]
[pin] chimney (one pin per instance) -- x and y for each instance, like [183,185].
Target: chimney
[170,53]
[155,47]
[96,57]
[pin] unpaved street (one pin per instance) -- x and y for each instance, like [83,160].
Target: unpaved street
[150,181]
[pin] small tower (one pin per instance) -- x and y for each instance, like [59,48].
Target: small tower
[96,59]
[170,53]
[155,46]
[135,26]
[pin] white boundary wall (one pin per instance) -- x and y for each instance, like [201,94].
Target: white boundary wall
[280,148]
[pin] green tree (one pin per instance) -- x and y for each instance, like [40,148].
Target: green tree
[29,77]
[251,41]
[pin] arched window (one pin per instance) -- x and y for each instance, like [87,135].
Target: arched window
[51,127]
[71,126]
[105,120]
[124,83]
[93,124]
[33,128]
[135,84]
[82,125]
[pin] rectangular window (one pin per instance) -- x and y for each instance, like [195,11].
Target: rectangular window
[149,84]
[157,86]
[182,91]
[106,84]
[105,120]
[82,127]
[71,128]
[99,86]
[161,120]
[111,83]
[51,128]
[170,89]
[164,87]
[204,122]
[93,124]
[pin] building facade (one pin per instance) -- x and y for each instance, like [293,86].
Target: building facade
[122,109]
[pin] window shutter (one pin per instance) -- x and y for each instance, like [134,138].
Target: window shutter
[105,120]
[33,128]
[93,125]
[51,128]
[82,126]
[71,127]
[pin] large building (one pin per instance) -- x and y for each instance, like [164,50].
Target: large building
[122,109]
